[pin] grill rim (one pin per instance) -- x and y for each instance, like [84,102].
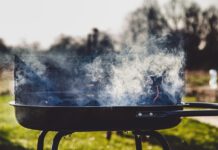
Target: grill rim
[13,103]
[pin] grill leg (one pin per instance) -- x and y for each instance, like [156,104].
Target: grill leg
[58,137]
[154,134]
[41,138]
[138,142]
[108,135]
[160,138]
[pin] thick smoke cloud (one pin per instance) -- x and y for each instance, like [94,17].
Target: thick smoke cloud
[133,75]
[147,74]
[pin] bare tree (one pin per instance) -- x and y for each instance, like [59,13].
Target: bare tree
[197,29]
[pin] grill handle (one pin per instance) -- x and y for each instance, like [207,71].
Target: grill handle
[204,109]
[200,105]
[177,113]
[190,113]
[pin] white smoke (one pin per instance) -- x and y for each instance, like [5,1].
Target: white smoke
[114,79]
[130,78]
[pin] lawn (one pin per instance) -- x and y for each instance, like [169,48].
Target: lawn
[189,135]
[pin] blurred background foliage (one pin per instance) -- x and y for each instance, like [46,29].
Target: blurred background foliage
[184,25]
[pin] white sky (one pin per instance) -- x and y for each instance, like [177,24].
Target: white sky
[44,20]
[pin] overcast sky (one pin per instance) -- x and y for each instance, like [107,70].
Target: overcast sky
[44,20]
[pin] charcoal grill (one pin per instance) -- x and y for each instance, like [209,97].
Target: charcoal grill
[142,120]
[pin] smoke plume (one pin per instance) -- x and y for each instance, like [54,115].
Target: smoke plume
[148,74]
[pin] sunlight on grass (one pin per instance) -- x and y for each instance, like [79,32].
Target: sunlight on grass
[189,99]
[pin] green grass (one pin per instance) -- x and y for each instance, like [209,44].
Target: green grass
[193,135]
[189,99]
[189,135]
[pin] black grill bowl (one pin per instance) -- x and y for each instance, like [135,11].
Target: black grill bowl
[89,118]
